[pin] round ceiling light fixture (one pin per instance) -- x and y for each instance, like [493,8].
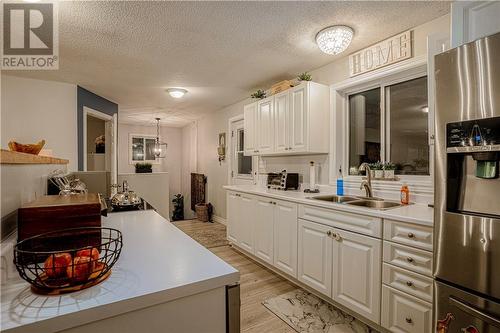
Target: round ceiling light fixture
[176,92]
[335,39]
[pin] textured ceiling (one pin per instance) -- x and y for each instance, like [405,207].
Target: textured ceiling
[130,52]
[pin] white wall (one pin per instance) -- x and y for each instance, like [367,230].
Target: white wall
[33,110]
[171,164]
[212,124]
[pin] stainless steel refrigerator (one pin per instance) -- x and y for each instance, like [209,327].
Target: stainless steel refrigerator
[467,188]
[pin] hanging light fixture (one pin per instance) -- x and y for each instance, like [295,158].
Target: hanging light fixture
[160,148]
[335,39]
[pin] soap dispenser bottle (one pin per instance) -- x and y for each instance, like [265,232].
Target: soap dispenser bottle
[340,183]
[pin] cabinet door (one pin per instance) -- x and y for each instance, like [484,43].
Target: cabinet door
[356,273]
[245,222]
[249,115]
[285,237]
[233,216]
[263,228]
[298,122]
[265,126]
[315,256]
[281,122]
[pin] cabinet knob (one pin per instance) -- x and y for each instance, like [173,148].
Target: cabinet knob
[337,237]
[286,148]
[409,259]
[411,235]
[270,202]
[329,233]
[409,283]
[408,320]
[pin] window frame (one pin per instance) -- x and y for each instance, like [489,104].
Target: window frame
[130,150]
[235,151]
[339,143]
[385,123]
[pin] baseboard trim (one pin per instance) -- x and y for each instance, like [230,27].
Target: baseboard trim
[299,284]
[219,219]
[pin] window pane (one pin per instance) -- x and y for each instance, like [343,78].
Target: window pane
[241,138]
[137,149]
[150,145]
[407,106]
[364,128]
[244,164]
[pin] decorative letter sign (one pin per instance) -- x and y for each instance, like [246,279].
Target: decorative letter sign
[386,52]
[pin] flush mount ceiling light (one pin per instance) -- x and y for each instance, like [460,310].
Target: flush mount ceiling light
[335,39]
[177,92]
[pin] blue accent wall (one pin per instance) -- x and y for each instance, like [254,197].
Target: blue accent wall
[93,101]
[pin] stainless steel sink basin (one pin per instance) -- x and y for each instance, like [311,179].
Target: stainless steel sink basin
[375,204]
[334,198]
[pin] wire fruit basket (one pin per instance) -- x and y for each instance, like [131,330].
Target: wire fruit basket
[78,258]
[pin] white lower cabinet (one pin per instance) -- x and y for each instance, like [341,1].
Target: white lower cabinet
[246,224]
[405,313]
[356,273]
[285,237]
[315,256]
[263,218]
[232,216]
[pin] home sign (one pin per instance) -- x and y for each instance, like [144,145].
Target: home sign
[386,52]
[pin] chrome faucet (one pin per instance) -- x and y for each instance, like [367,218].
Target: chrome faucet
[366,184]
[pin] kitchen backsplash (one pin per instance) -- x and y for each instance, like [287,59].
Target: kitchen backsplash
[299,164]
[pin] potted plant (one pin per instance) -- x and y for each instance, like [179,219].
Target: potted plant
[259,94]
[389,169]
[143,168]
[304,77]
[378,170]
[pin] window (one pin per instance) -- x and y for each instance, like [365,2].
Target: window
[141,149]
[395,131]
[242,165]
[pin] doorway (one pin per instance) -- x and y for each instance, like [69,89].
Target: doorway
[99,137]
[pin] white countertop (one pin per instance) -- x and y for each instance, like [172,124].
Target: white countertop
[414,213]
[158,263]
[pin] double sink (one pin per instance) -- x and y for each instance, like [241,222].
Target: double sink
[373,203]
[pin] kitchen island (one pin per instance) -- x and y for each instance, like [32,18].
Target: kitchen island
[164,281]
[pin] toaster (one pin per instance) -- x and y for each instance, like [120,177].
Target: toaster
[283,181]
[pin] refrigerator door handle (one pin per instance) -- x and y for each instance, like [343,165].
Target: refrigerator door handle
[473,311]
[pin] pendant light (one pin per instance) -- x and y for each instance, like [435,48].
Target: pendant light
[160,148]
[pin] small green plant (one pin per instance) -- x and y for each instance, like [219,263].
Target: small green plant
[143,168]
[260,94]
[304,77]
[389,166]
[376,166]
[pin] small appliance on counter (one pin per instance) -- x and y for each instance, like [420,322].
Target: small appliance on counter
[126,200]
[283,181]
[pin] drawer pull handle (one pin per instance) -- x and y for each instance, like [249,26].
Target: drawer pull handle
[409,283]
[408,320]
[411,235]
[409,259]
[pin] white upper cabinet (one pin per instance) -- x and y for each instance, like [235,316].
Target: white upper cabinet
[471,20]
[250,115]
[265,126]
[281,121]
[295,121]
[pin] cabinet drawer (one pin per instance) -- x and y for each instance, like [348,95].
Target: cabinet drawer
[409,282]
[371,226]
[416,260]
[408,234]
[404,313]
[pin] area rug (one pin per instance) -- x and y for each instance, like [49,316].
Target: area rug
[207,234]
[306,313]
